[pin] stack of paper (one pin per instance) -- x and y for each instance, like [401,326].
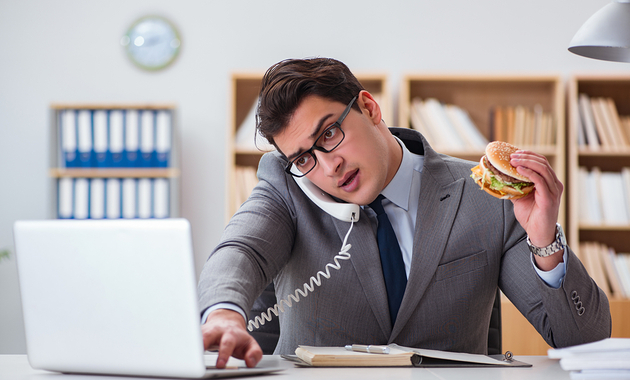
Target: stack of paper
[605,359]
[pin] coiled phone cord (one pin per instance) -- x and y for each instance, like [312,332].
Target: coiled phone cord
[308,287]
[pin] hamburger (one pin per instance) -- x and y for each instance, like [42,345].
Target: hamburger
[497,176]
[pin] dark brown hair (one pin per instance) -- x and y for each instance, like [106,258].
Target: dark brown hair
[288,82]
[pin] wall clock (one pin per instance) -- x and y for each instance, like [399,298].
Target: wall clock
[152,43]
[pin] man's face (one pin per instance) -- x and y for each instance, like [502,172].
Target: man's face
[360,167]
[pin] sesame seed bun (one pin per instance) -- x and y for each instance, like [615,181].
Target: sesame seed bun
[498,153]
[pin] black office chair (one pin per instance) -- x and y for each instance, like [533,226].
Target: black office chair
[267,335]
[494,334]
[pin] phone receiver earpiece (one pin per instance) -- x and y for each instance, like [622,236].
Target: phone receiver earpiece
[342,211]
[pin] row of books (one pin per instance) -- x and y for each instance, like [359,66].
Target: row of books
[114,138]
[609,269]
[446,127]
[113,198]
[604,197]
[600,126]
[245,180]
[523,126]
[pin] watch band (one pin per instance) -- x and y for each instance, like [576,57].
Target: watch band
[557,245]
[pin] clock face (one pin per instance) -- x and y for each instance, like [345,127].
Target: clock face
[152,43]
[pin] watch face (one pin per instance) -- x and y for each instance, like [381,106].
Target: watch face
[152,43]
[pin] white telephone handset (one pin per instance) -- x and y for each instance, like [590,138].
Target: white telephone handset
[347,212]
[341,211]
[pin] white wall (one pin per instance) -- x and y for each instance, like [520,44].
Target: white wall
[68,51]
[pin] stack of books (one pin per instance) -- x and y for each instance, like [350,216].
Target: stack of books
[604,359]
[609,269]
[600,127]
[446,127]
[604,197]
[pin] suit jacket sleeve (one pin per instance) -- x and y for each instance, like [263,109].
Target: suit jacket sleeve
[575,313]
[254,246]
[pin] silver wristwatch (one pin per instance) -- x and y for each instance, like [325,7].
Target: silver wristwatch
[558,244]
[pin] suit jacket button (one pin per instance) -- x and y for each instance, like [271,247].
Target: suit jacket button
[574,295]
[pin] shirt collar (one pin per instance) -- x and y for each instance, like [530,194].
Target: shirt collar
[398,190]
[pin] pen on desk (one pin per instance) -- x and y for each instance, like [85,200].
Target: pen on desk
[371,349]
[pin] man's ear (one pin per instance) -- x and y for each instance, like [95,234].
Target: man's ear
[369,107]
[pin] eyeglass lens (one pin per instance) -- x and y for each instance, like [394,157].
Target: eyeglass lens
[328,141]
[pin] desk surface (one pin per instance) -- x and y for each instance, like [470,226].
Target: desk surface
[17,367]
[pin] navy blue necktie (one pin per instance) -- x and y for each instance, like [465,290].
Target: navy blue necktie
[391,259]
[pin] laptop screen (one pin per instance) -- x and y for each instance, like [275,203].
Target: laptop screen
[110,296]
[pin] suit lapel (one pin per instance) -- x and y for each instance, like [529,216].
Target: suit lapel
[365,258]
[440,196]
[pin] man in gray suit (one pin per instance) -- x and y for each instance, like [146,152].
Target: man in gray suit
[458,244]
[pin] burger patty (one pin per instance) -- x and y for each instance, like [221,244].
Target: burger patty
[503,177]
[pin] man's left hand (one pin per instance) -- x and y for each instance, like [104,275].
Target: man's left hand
[538,212]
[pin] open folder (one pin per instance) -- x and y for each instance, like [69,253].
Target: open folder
[397,356]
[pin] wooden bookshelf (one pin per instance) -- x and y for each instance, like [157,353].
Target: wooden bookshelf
[245,88]
[607,159]
[58,171]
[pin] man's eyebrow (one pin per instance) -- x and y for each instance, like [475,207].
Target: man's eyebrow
[314,134]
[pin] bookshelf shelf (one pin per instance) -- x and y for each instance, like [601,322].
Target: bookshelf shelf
[604,227]
[242,158]
[616,154]
[114,173]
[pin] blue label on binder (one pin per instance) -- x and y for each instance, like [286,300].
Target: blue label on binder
[146,159]
[85,159]
[71,159]
[162,159]
[131,159]
[101,159]
[115,159]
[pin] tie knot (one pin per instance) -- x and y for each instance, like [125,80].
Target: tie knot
[377,206]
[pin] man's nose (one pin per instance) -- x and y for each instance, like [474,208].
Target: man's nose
[330,162]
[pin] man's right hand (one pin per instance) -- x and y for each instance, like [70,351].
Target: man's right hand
[226,329]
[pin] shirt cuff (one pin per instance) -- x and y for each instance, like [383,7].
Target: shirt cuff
[555,276]
[223,305]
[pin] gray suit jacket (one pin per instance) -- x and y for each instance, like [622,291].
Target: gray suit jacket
[466,244]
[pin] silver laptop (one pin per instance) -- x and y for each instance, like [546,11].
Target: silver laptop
[113,297]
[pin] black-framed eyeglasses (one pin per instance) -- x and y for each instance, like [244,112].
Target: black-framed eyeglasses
[326,142]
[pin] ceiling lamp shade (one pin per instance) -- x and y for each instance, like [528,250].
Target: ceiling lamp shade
[606,34]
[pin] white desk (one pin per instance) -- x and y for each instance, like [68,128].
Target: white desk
[16,367]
